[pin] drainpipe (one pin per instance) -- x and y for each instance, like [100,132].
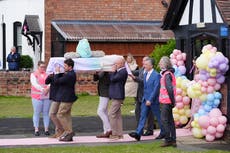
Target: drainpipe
[3,43]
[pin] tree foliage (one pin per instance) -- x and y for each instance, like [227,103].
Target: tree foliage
[162,50]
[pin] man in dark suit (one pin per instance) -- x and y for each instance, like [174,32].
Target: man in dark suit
[67,96]
[150,100]
[138,76]
[117,94]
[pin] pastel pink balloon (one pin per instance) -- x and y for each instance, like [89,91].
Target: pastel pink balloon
[211,130]
[204,131]
[220,128]
[179,105]
[177,123]
[184,56]
[214,121]
[178,91]
[197,77]
[211,81]
[217,86]
[209,137]
[178,98]
[215,112]
[179,57]
[176,52]
[203,121]
[174,61]
[219,135]
[204,89]
[186,100]
[222,119]
[205,83]
[210,89]
[172,56]
[180,63]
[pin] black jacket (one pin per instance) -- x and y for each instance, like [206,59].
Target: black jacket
[66,83]
[139,76]
[103,83]
[53,87]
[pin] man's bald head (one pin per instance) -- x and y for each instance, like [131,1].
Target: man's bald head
[120,62]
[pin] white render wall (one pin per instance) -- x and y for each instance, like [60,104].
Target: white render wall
[15,10]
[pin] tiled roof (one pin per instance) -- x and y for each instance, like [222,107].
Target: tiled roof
[33,23]
[132,31]
[224,6]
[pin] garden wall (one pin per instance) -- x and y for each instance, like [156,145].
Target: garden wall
[17,83]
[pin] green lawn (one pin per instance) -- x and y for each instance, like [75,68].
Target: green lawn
[114,148]
[21,107]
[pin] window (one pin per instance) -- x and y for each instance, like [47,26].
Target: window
[18,36]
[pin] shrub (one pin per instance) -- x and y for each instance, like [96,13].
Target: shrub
[26,61]
[162,50]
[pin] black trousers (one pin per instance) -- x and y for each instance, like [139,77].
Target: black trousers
[168,122]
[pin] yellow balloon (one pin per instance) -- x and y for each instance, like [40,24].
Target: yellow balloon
[193,124]
[197,133]
[176,117]
[203,97]
[175,110]
[186,107]
[181,111]
[183,119]
[188,112]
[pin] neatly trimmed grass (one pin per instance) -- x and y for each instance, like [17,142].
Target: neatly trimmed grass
[114,148]
[21,107]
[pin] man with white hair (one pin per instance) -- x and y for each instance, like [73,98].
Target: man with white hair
[13,60]
[117,93]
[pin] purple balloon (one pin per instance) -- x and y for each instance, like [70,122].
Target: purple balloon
[182,69]
[223,67]
[221,79]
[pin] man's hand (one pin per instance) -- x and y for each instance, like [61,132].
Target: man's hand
[114,68]
[148,103]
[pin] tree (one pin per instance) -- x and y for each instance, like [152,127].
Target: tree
[162,50]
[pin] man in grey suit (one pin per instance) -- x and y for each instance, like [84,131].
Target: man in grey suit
[138,77]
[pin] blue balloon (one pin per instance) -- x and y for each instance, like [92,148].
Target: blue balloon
[217,95]
[210,103]
[207,108]
[216,102]
[201,112]
[210,97]
[196,115]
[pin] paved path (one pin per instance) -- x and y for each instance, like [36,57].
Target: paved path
[38,141]
[17,132]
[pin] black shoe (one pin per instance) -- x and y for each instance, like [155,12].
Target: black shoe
[160,137]
[135,136]
[148,133]
[36,133]
[67,137]
[167,144]
[47,133]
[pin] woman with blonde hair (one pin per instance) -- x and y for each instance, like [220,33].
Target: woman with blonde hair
[131,85]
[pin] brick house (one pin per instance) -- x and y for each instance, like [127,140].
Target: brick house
[116,27]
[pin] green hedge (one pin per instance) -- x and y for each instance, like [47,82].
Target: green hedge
[26,62]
